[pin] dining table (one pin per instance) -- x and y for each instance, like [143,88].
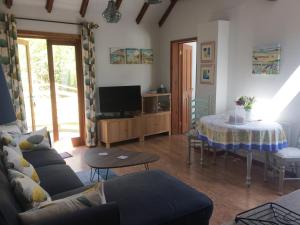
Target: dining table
[255,135]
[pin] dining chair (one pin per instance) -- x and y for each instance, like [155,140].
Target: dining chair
[287,159]
[198,107]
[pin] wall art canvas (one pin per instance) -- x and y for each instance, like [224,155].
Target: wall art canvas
[147,56]
[117,56]
[133,56]
[208,52]
[266,61]
[207,73]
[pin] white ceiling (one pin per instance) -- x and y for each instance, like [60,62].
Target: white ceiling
[128,7]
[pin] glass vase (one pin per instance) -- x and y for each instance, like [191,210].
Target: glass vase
[238,115]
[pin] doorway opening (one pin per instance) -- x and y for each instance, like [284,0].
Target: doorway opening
[183,82]
[52,80]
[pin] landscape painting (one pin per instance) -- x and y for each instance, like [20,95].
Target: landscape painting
[266,61]
[207,74]
[147,56]
[208,52]
[117,56]
[133,56]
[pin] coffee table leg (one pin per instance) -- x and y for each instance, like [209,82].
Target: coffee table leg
[146,166]
[92,175]
[106,174]
[98,172]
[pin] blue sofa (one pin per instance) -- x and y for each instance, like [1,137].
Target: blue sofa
[144,198]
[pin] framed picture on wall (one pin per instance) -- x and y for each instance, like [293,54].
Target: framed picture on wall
[133,56]
[147,56]
[266,60]
[208,52]
[117,56]
[207,73]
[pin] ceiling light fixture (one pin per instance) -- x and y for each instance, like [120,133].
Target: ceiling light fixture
[111,14]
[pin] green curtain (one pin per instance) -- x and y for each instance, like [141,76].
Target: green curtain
[88,54]
[10,62]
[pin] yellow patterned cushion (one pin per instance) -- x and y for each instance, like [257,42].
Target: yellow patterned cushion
[35,140]
[13,160]
[29,193]
[6,138]
[89,198]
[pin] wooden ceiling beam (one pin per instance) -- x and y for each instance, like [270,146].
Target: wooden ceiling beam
[8,3]
[118,3]
[167,12]
[142,13]
[49,5]
[83,8]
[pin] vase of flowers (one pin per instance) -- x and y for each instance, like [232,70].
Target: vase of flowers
[247,103]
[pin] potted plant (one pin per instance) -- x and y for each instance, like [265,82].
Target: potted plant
[247,103]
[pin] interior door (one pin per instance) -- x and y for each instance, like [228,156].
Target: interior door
[186,52]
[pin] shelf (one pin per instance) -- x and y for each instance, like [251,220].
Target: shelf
[157,113]
[149,95]
[154,103]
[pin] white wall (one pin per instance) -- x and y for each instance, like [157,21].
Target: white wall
[184,21]
[222,66]
[126,33]
[252,23]
[273,23]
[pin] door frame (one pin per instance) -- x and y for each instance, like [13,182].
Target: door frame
[176,83]
[71,40]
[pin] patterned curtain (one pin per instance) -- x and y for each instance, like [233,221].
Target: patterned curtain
[88,54]
[10,62]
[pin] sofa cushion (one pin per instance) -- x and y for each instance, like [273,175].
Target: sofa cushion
[34,141]
[92,197]
[58,178]
[157,198]
[14,160]
[45,157]
[70,192]
[9,207]
[29,193]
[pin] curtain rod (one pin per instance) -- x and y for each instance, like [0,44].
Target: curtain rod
[49,21]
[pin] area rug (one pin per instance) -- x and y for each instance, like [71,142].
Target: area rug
[84,176]
[65,155]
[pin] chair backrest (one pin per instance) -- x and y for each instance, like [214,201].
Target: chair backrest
[199,107]
[287,130]
[291,134]
[298,142]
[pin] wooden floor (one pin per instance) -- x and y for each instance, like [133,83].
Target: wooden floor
[224,182]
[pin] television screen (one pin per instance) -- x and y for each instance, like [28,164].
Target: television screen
[120,99]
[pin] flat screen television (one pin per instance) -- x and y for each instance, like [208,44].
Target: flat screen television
[120,99]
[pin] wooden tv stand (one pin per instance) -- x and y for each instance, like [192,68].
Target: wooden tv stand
[121,129]
[155,119]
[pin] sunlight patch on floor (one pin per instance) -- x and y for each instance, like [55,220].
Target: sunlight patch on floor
[64,145]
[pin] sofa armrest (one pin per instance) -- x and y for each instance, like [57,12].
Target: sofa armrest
[107,214]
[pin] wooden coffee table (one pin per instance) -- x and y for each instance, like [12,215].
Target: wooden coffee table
[100,158]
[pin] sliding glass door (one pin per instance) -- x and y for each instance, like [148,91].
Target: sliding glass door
[36,83]
[53,87]
[66,92]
